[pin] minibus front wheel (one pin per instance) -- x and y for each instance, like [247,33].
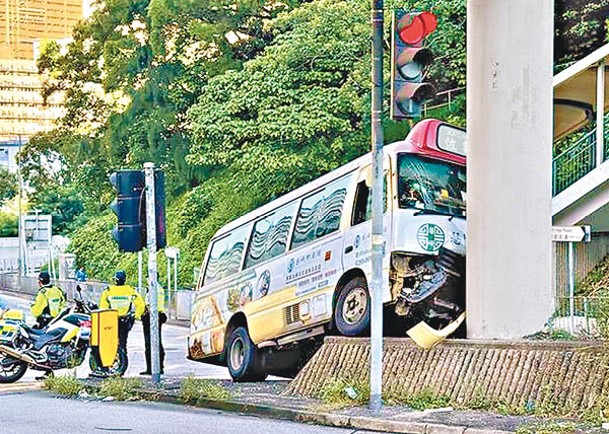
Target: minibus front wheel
[243,359]
[352,309]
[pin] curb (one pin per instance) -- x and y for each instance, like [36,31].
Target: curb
[26,387]
[322,418]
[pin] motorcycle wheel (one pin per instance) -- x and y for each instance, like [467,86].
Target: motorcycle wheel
[121,363]
[11,371]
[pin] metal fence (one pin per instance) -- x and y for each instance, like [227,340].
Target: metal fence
[583,317]
[179,301]
[587,256]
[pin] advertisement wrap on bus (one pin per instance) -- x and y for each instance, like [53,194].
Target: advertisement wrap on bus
[298,267]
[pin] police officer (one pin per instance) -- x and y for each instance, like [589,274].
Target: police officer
[146,325]
[49,301]
[122,298]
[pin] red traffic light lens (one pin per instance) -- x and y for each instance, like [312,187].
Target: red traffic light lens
[415,27]
[430,22]
[413,30]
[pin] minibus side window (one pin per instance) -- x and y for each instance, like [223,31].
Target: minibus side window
[320,213]
[270,236]
[362,210]
[225,256]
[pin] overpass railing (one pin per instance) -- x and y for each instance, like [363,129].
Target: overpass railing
[574,162]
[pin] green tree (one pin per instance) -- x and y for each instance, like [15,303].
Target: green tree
[8,224]
[9,185]
[63,203]
[136,66]
[301,108]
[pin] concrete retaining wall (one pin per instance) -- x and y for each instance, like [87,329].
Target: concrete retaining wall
[566,375]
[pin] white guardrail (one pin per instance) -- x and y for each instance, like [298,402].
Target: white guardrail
[179,303]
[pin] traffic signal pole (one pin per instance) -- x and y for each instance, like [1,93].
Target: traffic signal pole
[152,273]
[376,287]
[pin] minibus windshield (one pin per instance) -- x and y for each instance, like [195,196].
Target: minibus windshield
[431,185]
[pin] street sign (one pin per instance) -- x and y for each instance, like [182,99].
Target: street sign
[172,252]
[571,234]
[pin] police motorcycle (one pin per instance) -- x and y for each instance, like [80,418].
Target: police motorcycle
[63,343]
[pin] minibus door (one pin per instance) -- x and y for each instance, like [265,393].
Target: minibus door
[357,240]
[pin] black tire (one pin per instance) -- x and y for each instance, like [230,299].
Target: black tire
[352,308]
[243,359]
[121,363]
[12,371]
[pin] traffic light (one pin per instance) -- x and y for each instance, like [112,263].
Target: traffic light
[129,206]
[408,61]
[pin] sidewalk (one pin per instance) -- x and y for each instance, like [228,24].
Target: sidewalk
[266,399]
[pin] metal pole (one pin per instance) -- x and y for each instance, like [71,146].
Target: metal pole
[152,274]
[600,112]
[19,223]
[139,271]
[175,286]
[376,293]
[571,267]
[168,276]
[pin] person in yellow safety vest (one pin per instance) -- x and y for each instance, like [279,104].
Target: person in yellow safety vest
[49,301]
[146,325]
[122,298]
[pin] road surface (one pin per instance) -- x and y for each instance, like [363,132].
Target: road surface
[41,413]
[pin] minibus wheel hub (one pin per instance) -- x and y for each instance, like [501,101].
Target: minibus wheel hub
[355,306]
[237,354]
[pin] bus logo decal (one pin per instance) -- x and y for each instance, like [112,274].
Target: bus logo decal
[430,237]
[264,282]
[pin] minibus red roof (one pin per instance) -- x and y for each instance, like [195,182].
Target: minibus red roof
[422,139]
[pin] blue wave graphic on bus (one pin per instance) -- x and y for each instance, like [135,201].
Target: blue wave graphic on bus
[268,244]
[321,219]
[224,265]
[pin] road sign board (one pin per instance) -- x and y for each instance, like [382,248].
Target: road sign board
[172,252]
[573,234]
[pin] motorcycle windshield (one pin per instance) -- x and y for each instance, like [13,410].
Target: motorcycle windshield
[431,185]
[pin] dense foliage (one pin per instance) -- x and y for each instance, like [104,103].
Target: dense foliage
[239,101]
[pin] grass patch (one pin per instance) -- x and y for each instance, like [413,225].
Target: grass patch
[598,412]
[426,398]
[552,335]
[480,402]
[64,385]
[196,390]
[342,392]
[548,428]
[122,389]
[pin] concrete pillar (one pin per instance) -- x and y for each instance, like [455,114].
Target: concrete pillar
[509,134]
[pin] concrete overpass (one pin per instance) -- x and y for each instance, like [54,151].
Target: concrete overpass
[581,172]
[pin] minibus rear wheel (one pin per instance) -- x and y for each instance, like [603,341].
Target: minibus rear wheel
[352,309]
[243,358]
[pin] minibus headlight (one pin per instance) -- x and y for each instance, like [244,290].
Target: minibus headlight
[304,308]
